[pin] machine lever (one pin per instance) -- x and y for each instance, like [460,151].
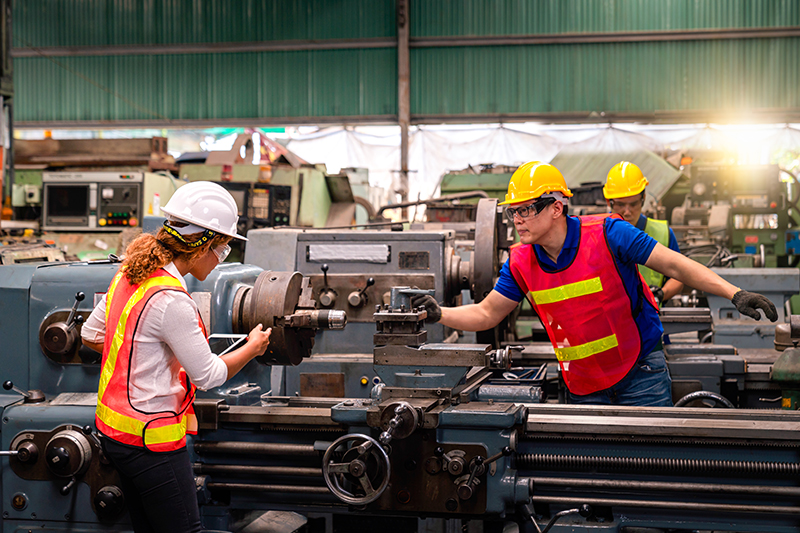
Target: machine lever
[505,452]
[9,385]
[327,296]
[31,396]
[358,298]
[9,452]
[397,421]
[66,488]
[584,510]
[79,297]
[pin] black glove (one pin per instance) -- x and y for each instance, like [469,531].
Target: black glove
[748,303]
[429,303]
[657,293]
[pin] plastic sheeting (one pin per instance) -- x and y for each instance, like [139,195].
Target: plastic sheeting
[436,150]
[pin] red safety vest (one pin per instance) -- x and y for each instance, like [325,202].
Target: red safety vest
[116,417]
[585,310]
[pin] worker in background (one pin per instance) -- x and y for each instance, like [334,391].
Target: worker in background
[156,353]
[580,275]
[624,191]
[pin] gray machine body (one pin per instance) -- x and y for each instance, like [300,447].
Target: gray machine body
[379,254]
[777,284]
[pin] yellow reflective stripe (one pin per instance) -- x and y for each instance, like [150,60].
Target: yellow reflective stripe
[170,433]
[131,426]
[565,292]
[118,421]
[582,351]
[119,332]
[111,290]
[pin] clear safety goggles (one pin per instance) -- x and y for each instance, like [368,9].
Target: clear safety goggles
[529,210]
[222,252]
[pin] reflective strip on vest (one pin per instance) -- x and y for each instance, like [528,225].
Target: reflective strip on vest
[151,434]
[659,230]
[566,292]
[119,332]
[572,353]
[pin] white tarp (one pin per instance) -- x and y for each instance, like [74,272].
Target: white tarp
[435,150]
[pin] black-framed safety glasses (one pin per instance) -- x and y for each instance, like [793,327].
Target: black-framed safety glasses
[529,210]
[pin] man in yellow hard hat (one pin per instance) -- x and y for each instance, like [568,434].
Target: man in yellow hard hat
[624,192]
[580,275]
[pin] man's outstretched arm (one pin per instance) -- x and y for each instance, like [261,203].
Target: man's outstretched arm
[481,316]
[693,274]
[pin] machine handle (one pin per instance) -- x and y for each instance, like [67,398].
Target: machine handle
[9,385]
[324,269]
[370,283]
[79,296]
[394,423]
[66,488]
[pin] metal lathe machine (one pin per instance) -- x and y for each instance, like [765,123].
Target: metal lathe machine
[452,436]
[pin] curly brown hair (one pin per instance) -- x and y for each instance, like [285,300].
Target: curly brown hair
[147,253]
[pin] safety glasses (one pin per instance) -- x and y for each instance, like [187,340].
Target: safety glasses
[621,206]
[526,211]
[222,252]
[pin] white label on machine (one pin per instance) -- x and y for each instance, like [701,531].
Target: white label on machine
[348,253]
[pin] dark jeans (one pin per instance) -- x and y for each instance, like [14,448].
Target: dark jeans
[159,488]
[648,383]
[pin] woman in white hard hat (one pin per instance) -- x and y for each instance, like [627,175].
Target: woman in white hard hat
[156,353]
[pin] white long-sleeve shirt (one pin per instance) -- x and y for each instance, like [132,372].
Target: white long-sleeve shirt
[168,337]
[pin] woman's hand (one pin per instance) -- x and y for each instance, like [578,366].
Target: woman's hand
[256,345]
[258,340]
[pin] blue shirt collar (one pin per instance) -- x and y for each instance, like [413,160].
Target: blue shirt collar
[568,251]
[642,222]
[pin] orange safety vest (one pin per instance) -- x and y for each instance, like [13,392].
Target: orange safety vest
[116,417]
[585,309]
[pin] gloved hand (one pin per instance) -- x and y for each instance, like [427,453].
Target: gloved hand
[429,303]
[748,303]
[657,293]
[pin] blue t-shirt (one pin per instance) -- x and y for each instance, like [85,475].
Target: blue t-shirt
[629,246]
[673,242]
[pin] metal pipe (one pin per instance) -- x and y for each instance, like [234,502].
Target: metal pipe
[252,487]
[454,196]
[414,42]
[250,470]
[607,37]
[403,94]
[205,48]
[615,484]
[255,448]
[678,506]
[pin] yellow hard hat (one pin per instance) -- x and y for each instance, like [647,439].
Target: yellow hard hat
[624,179]
[532,180]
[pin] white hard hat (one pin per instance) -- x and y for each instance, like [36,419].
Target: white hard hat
[207,205]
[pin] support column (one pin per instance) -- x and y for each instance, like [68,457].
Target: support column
[403,95]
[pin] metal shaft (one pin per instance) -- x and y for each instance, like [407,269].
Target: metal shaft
[255,448]
[663,486]
[249,470]
[678,506]
[252,487]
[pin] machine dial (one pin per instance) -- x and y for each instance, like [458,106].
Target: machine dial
[68,453]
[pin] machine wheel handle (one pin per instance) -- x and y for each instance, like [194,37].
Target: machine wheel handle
[362,453]
[705,395]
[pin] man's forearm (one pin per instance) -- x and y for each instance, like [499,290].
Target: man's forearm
[481,316]
[671,288]
[466,318]
[692,273]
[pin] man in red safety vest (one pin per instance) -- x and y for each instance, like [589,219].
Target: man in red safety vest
[580,275]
